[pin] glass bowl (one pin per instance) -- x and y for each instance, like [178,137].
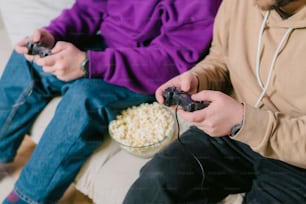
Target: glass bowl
[144,130]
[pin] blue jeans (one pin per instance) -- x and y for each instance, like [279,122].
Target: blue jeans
[75,131]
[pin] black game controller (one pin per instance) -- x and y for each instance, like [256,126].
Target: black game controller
[38,49]
[174,96]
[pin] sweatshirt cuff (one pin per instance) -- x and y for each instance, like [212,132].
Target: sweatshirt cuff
[254,129]
[57,37]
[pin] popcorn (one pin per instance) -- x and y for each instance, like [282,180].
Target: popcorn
[146,125]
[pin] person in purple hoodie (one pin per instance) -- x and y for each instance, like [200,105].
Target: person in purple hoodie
[104,56]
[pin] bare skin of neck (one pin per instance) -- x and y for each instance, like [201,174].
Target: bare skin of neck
[294,6]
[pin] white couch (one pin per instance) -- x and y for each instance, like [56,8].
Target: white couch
[110,171]
[103,180]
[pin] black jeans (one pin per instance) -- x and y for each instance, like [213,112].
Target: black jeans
[174,175]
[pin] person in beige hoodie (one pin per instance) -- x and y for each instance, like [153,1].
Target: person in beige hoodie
[252,136]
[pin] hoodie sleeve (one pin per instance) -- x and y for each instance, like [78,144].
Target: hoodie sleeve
[275,135]
[212,71]
[184,30]
[83,19]
[185,36]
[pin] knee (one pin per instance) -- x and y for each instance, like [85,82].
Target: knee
[94,89]
[158,172]
[153,171]
[78,90]
[81,95]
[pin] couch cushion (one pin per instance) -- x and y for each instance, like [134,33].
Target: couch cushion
[21,18]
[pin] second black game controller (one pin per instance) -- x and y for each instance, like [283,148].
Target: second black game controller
[174,96]
[38,49]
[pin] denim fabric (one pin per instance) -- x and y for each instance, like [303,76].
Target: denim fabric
[75,131]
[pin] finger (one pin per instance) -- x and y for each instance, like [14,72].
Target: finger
[206,95]
[36,36]
[45,61]
[20,47]
[59,46]
[29,57]
[159,95]
[185,83]
[193,117]
[159,92]
[23,42]
[49,69]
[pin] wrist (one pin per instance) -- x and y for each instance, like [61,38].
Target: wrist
[85,66]
[236,128]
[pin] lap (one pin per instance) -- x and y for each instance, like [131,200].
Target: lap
[229,167]
[277,182]
[225,172]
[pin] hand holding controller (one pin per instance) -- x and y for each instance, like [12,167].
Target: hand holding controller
[174,96]
[38,49]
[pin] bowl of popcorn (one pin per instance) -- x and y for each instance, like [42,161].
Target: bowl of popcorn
[144,130]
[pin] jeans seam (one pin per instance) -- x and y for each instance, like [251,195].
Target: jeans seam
[24,197]
[26,93]
[21,100]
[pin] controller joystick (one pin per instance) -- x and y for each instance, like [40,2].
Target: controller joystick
[38,49]
[174,96]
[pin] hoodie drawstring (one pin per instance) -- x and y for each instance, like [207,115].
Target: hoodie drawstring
[285,36]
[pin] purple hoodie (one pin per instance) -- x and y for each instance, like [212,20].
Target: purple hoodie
[148,41]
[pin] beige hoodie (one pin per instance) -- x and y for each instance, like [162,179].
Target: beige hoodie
[275,124]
